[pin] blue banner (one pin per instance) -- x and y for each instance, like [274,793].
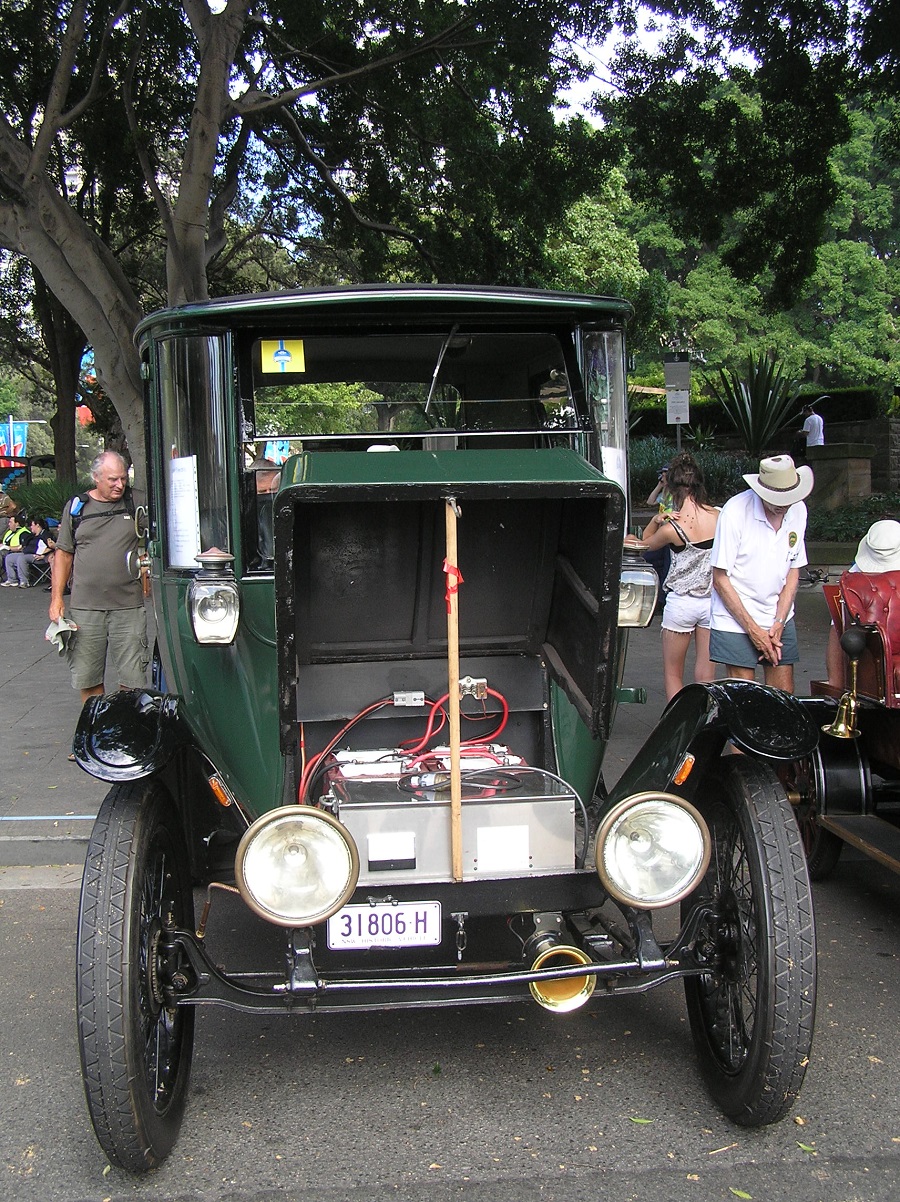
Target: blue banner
[277,450]
[16,444]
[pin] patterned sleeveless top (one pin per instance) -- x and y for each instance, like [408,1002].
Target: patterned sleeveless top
[690,574]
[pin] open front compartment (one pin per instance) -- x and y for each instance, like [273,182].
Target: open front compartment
[361,611]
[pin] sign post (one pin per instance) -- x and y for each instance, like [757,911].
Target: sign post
[677,369]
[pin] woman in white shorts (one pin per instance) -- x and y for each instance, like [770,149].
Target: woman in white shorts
[689,531]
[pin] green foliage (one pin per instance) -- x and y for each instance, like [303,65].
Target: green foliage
[706,413]
[702,437]
[9,397]
[45,498]
[314,409]
[722,471]
[850,521]
[645,457]
[759,403]
[591,250]
[710,139]
[843,327]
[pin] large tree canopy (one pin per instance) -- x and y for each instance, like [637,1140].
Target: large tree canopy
[731,119]
[421,134]
[148,148]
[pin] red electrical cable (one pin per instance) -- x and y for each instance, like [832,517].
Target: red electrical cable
[481,739]
[494,733]
[429,729]
[317,759]
[468,747]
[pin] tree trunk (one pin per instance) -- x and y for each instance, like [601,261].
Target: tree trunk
[85,279]
[65,343]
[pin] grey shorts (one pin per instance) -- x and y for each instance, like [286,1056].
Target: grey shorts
[121,631]
[736,648]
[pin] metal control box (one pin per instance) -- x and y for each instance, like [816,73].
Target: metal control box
[514,821]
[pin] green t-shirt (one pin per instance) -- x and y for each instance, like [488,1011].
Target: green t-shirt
[106,572]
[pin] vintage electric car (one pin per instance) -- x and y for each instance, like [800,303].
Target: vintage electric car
[386,548]
[848,790]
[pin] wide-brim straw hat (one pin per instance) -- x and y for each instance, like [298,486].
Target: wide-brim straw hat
[779,482]
[879,549]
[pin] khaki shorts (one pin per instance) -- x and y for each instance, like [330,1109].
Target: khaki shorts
[121,632]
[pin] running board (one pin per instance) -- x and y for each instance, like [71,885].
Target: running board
[874,836]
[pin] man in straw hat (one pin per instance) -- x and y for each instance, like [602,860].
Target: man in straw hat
[756,558]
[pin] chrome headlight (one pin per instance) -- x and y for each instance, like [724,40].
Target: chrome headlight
[213,599]
[296,866]
[652,849]
[638,587]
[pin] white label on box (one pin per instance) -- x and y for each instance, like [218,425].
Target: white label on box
[502,849]
[391,845]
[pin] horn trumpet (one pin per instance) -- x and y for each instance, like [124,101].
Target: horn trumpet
[844,724]
[853,642]
[565,993]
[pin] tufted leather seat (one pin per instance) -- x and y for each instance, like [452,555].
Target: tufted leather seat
[873,599]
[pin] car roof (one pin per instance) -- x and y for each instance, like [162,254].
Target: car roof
[358,300]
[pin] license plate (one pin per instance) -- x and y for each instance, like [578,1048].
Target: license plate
[407,924]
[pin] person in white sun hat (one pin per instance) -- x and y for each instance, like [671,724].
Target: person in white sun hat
[878,551]
[756,559]
[879,548]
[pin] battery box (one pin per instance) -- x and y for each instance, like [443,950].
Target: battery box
[516,820]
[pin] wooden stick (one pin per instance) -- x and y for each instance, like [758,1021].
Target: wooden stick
[450,510]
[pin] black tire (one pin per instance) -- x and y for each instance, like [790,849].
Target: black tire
[135,1052]
[752,1015]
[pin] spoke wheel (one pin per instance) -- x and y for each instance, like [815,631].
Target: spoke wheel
[136,1046]
[752,1014]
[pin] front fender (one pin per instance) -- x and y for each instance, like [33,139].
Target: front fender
[129,734]
[763,722]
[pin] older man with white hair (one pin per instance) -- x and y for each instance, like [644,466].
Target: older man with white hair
[99,548]
[756,559]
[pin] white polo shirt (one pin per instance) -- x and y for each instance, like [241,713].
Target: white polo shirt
[756,557]
[814,429]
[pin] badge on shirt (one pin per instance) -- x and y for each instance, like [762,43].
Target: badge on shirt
[792,538]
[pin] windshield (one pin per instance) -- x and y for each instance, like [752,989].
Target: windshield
[416,392]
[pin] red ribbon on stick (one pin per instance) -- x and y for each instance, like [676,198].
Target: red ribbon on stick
[452,570]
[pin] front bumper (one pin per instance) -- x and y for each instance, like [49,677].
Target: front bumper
[299,986]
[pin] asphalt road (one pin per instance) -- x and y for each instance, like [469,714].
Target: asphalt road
[496,1104]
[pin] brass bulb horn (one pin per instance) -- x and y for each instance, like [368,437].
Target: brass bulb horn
[853,642]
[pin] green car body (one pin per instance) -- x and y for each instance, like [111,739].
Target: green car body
[391,601]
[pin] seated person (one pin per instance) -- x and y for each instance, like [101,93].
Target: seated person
[878,551]
[18,562]
[46,549]
[13,536]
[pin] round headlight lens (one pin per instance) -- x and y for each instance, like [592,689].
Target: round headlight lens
[214,606]
[296,866]
[652,849]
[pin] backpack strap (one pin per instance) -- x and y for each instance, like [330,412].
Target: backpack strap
[79,502]
[75,507]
